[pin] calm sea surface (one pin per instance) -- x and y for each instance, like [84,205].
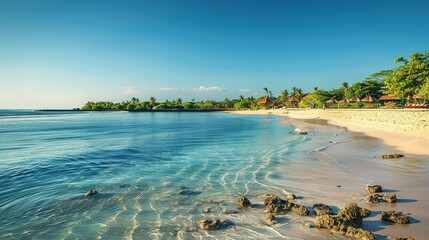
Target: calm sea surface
[156,173]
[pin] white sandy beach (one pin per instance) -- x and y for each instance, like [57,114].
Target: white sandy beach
[405,130]
[372,133]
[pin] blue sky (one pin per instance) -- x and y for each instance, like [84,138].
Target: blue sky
[60,54]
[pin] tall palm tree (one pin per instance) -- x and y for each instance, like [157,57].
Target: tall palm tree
[284,95]
[266,91]
[296,92]
[252,102]
[241,98]
[152,102]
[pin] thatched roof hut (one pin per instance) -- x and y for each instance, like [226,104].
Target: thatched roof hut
[332,100]
[266,102]
[369,99]
[293,99]
[389,98]
[354,99]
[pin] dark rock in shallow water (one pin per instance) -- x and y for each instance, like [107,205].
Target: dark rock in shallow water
[270,219]
[206,210]
[230,212]
[390,198]
[91,192]
[395,217]
[212,224]
[408,238]
[389,156]
[243,202]
[188,192]
[372,198]
[309,225]
[322,209]
[374,188]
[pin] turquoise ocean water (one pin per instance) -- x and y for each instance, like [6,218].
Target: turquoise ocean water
[156,173]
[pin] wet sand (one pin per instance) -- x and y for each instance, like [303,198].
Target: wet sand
[353,163]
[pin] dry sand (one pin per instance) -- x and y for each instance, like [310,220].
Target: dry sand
[373,133]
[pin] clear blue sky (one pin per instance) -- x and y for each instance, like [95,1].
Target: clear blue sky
[60,54]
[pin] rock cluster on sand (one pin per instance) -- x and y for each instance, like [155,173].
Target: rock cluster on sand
[408,238]
[275,204]
[347,222]
[91,192]
[389,156]
[395,217]
[390,198]
[374,188]
[212,224]
[322,209]
[374,197]
[243,202]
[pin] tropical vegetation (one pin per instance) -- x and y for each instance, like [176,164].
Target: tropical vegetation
[409,79]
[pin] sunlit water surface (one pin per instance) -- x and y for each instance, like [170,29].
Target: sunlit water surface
[156,173]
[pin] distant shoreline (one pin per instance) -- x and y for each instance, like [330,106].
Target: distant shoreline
[141,110]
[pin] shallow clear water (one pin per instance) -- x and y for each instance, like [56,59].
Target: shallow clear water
[156,173]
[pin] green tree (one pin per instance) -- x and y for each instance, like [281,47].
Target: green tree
[284,96]
[424,90]
[152,102]
[87,106]
[313,100]
[296,92]
[380,76]
[130,107]
[188,105]
[134,101]
[408,78]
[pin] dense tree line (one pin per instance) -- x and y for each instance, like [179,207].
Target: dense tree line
[410,78]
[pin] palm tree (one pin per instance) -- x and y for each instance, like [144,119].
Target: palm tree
[296,92]
[134,101]
[241,98]
[252,101]
[226,103]
[179,101]
[266,91]
[284,95]
[152,102]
